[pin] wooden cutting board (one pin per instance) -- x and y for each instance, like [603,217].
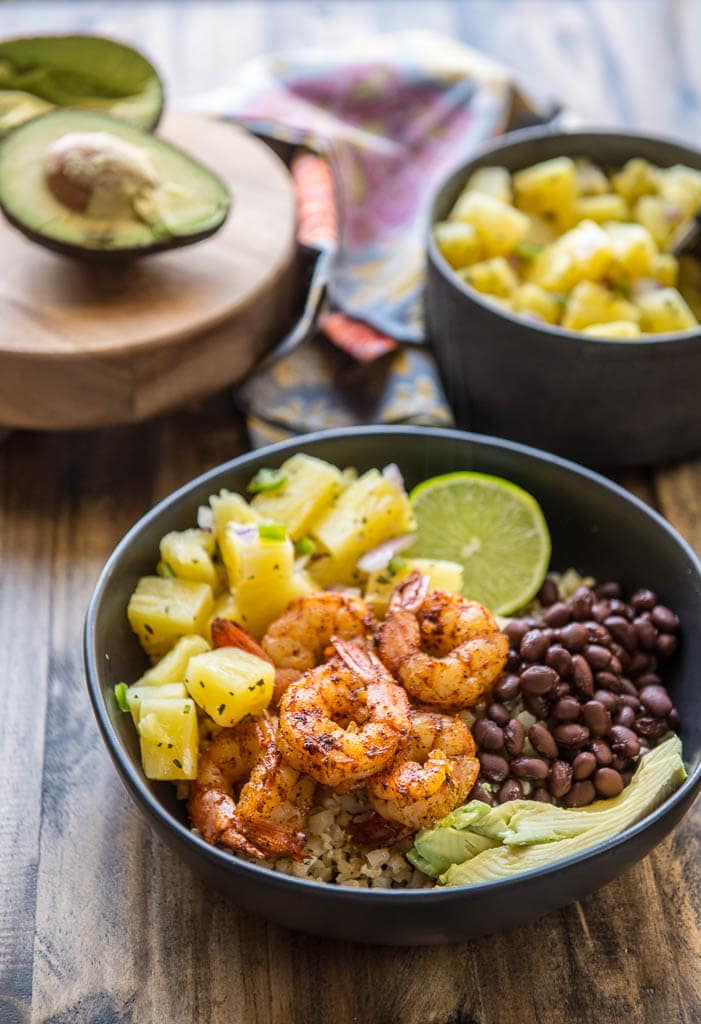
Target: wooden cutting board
[84,345]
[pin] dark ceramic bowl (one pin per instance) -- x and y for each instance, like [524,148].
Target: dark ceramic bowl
[596,527]
[605,403]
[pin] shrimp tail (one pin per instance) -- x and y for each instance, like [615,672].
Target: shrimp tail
[235,840]
[377,831]
[229,634]
[410,594]
[359,660]
[274,839]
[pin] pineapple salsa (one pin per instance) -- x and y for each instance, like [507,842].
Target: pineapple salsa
[567,244]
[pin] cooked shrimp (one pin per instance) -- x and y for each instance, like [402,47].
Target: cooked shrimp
[433,771]
[273,804]
[343,721]
[445,650]
[226,633]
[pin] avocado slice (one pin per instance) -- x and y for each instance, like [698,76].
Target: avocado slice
[87,72]
[16,107]
[92,186]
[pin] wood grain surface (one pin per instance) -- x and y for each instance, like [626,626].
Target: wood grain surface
[99,922]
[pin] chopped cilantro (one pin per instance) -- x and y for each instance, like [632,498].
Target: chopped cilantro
[396,564]
[527,250]
[120,693]
[267,480]
[305,546]
[271,531]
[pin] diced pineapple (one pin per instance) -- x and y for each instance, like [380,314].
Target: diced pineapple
[458,242]
[499,226]
[493,181]
[169,739]
[682,187]
[634,250]
[495,276]
[225,607]
[229,684]
[635,179]
[532,299]
[309,490]
[659,216]
[664,310]
[601,208]
[228,507]
[443,575]
[541,231]
[665,269]
[137,693]
[189,554]
[171,668]
[591,303]
[548,187]
[161,611]
[591,180]
[581,254]
[616,329]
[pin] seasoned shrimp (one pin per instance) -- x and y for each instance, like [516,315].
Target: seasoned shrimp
[229,634]
[445,650]
[273,804]
[343,721]
[433,771]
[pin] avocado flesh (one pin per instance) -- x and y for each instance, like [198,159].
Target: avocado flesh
[524,834]
[113,78]
[187,202]
[16,107]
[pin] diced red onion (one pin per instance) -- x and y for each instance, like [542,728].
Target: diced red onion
[393,475]
[673,213]
[379,558]
[247,531]
[205,518]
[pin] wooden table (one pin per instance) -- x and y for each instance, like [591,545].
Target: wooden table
[99,922]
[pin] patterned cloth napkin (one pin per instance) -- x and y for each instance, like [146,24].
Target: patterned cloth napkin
[376,126]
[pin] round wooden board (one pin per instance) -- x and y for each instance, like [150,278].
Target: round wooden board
[86,345]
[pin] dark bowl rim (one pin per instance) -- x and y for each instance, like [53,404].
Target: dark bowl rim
[136,784]
[538,133]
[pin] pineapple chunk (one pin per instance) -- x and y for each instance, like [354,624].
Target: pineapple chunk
[137,693]
[548,187]
[682,187]
[635,179]
[228,507]
[591,303]
[581,254]
[634,250]
[161,611]
[536,301]
[493,181]
[499,226]
[541,231]
[189,554]
[171,668]
[495,277]
[659,216]
[370,511]
[229,684]
[591,180]
[458,242]
[601,208]
[616,329]
[169,739]
[308,492]
[664,310]
[443,575]
[665,269]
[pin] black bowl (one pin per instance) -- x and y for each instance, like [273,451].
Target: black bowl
[596,527]
[605,403]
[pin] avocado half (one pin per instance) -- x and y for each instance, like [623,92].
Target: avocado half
[176,201]
[87,72]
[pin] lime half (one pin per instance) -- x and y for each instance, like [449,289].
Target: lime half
[493,528]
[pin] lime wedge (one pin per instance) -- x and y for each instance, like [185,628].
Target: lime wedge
[493,528]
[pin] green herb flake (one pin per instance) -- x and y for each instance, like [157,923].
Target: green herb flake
[396,564]
[622,289]
[305,546]
[266,481]
[120,693]
[272,531]
[186,709]
[221,709]
[148,629]
[178,763]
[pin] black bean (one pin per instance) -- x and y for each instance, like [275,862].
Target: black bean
[639,663]
[651,728]
[600,610]
[561,690]
[516,630]
[538,679]
[608,589]
[559,659]
[656,700]
[537,705]
[608,782]
[598,634]
[488,735]
[621,654]
[511,789]
[615,665]
[626,717]
[621,608]
[628,688]
[624,741]
[560,778]
[649,679]
[666,645]
[622,631]
[608,699]
[665,619]
[598,657]
[548,593]
[513,661]
[621,763]
[531,768]
[498,713]
[581,794]
[646,632]
[630,701]
[627,776]
[534,645]
[559,614]
[567,709]
[480,792]
[573,636]
[582,677]
[583,765]
[542,741]
[596,717]
[514,736]
[581,603]
[608,681]
[674,719]
[643,600]
[601,751]
[571,735]
[494,766]
[541,794]
[507,686]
